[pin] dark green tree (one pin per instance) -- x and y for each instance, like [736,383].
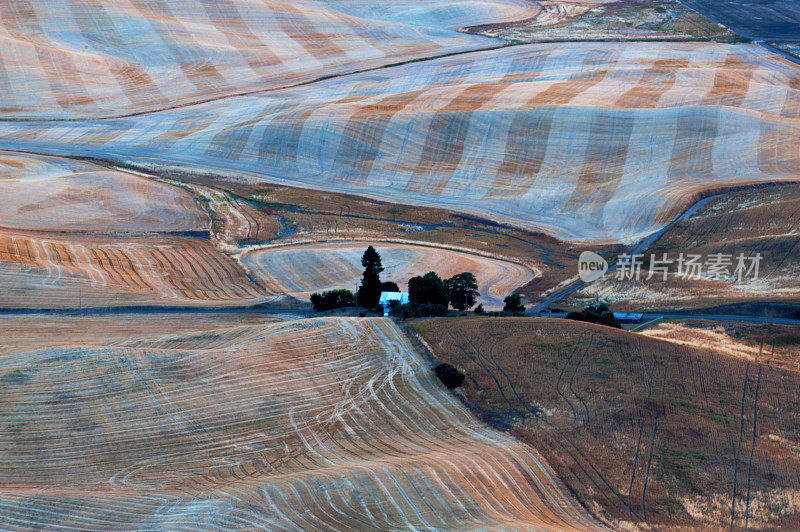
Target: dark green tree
[369,293]
[333,299]
[513,304]
[462,290]
[389,286]
[427,290]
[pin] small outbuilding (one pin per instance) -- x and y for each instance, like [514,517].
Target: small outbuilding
[392,298]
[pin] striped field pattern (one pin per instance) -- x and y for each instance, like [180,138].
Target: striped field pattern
[68,58]
[323,424]
[50,270]
[585,143]
[301,270]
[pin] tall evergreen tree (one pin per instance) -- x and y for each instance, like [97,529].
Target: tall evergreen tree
[369,292]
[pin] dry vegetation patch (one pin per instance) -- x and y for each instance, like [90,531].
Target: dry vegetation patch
[640,429]
[735,339]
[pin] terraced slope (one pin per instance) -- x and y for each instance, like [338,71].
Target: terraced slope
[583,143]
[309,424]
[49,193]
[301,270]
[73,58]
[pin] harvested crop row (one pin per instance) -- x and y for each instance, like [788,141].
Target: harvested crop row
[308,424]
[301,270]
[39,271]
[516,135]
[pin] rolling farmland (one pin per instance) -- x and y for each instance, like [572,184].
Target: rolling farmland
[641,430]
[42,270]
[178,176]
[300,270]
[584,144]
[312,424]
[761,220]
[79,59]
[49,193]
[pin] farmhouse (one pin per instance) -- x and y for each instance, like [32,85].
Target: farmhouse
[389,298]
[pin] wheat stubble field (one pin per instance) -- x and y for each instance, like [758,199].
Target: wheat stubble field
[313,424]
[177,176]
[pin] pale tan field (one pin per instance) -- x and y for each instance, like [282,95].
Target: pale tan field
[305,424]
[301,270]
[51,193]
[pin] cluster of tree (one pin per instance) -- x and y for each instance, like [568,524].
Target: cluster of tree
[513,304]
[596,314]
[430,295]
[368,293]
[332,299]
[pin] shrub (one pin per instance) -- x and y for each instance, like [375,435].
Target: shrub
[513,304]
[599,314]
[333,299]
[462,290]
[449,375]
[479,309]
[427,289]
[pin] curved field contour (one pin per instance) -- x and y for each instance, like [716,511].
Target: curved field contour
[304,269]
[325,424]
[74,58]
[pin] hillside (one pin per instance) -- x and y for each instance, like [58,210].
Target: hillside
[236,423]
[585,144]
[648,432]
